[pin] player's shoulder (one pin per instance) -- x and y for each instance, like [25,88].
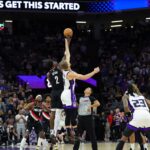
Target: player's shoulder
[55,71]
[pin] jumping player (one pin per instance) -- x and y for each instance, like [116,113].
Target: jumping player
[68,96]
[133,100]
[56,79]
[34,121]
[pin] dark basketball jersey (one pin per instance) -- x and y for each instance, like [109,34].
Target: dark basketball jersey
[56,79]
[36,113]
[46,114]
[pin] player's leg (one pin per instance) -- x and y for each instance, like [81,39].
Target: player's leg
[59,108]
[143,141]
[74,121]
[132,141]
[56,106]
[127,133]
[46,128]
[67,124]
[42,142]
[41,136]
[52,120]
[57,119]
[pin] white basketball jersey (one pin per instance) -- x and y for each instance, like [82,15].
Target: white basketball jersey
[68,96]
[137,102]
[68,84]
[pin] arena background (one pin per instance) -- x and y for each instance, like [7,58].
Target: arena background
[112,34]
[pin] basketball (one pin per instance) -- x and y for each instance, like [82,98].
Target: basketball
[68,32]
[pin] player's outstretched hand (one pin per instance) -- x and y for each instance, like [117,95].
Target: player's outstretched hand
[97,69]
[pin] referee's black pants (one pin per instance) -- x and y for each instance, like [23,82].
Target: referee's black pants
[86,123]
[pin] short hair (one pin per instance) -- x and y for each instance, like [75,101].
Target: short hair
[38,97]
[90,89]
[64,65]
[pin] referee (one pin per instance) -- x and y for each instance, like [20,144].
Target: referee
[86,119]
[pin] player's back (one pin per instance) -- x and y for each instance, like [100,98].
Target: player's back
[56,79]
[137,102]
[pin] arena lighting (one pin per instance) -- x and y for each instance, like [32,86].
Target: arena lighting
[115,26]
[148,18]
[9,21]
[116,21]
[132,26]
[81,22]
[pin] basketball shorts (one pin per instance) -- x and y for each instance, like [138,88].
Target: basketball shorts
[36,124]
[140,121]
[56,102]
[68,97]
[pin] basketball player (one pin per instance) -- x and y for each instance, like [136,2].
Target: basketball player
[85,118]
[34,121]
[141,139]
[133,100]
[55,78]
[68,95]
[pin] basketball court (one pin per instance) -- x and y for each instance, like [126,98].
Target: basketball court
[87,146]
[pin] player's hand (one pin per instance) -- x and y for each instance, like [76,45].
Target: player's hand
[96,70]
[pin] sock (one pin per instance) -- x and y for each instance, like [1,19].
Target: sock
[22,144]
[145,146]
[132,146]
[120,145]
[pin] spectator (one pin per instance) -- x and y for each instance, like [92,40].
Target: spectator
[117,118]
[20,123]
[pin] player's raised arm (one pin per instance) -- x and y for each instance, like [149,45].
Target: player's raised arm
[67,51]
[74,75]
[68,33]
